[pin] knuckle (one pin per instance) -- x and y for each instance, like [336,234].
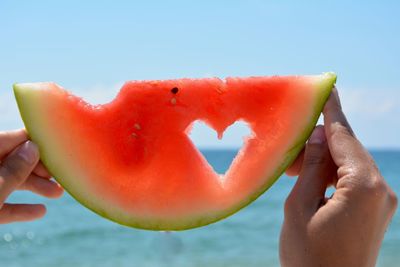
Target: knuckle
[379,190]
[376,186]
[375,190]
[14,168]
[314,157]
[340,130]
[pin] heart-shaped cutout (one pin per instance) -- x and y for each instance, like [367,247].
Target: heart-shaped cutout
[219,151]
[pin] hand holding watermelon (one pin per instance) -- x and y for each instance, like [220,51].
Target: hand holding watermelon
[20,169]
[346,229]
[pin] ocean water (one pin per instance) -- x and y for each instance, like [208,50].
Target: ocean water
[71,235]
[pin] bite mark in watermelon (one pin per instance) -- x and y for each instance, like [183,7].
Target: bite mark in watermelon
[131,160]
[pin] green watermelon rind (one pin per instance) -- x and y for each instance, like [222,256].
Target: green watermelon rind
[324,84]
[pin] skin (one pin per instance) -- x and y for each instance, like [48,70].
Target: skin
[346,229]
[20,169]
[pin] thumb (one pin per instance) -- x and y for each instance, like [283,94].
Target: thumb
[315,174]
[16,168]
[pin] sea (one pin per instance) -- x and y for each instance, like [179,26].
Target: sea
[72,236]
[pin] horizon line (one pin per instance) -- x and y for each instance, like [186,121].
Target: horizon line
[374,149]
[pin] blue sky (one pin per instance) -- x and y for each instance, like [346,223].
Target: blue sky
[92,47]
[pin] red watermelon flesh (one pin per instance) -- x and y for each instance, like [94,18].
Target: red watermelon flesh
[131,160]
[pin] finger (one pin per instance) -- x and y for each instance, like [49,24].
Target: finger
[21,212]
[40,170]
[343,145]
[11,139]
[42,186]
[16,168]
[315,174]
[295,168]
[333,113]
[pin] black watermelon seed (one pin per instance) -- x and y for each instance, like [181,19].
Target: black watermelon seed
[174,90]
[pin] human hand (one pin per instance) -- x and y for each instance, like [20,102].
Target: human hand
[346,229]
[20,169]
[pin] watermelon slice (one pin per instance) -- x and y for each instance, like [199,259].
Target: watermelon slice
[131,160]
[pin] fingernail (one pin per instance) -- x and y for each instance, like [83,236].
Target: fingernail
[317,136]
[28,152]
